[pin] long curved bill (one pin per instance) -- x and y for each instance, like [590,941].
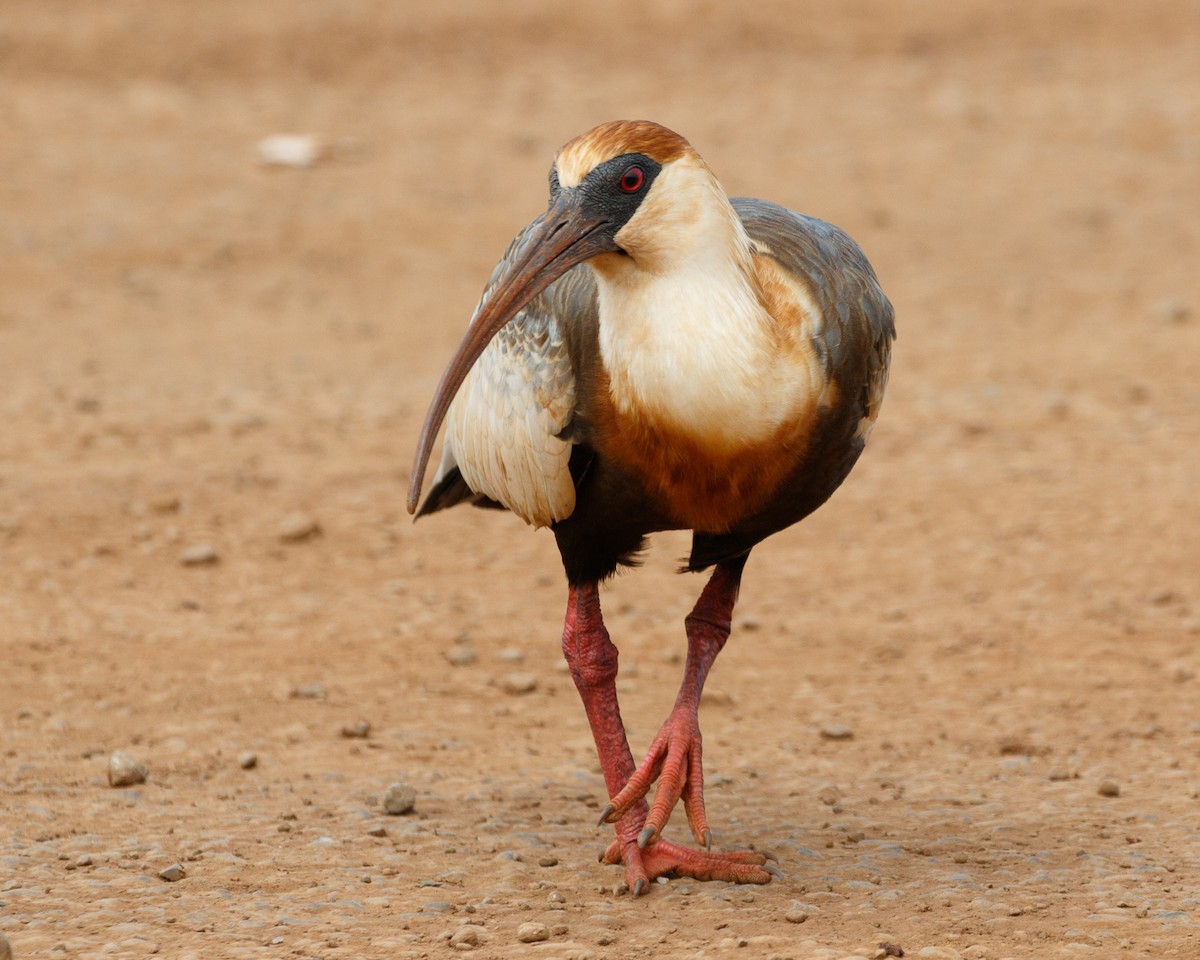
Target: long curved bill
[561,238]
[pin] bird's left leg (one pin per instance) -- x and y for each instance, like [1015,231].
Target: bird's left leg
[675,756]
[592,657]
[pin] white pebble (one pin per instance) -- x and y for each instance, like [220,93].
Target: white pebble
[288,150]
[125,770]
[200,555]
[519,683]
[297,527]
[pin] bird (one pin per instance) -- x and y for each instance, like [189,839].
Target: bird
[649,355]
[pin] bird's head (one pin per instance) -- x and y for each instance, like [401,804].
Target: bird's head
[630,197]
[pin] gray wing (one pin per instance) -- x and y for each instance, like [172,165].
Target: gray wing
[507,428]
[854,340]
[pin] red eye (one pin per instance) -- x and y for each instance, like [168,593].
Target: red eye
[632,179]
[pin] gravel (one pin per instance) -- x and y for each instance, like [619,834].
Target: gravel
[298,527]
[466,938]
[836,731]
[126,770]
[533,932]
[518,684]
[172,873]
[400,798]
[199,555]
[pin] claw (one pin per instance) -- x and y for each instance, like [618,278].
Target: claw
[639,887]
[773,870]
[604,815]
[646,836]
[769,855]
[708,840]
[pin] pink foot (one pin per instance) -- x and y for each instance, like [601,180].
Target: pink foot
[664,858]
[675,761]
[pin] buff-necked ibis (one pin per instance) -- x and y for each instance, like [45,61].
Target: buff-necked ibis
[652,355]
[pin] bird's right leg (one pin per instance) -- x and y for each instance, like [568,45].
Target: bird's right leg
[592,657]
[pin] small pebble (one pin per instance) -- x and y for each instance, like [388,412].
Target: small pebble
[172,873]
[796,914]
[357,731]
[519,683]
[377,832]
[247,760]
[466,938]
[1109,788]
[533,932]
[836,731]
[85,860]
[125,770]
[309,691]
[200,555]
[548,861]
[460,655]
[400,798]
[297,527]
[289,150]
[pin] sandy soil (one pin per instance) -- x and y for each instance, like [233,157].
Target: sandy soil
[999,612]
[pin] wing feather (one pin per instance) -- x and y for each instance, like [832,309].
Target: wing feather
[506,430]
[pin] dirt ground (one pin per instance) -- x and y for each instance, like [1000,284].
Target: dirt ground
[960,702]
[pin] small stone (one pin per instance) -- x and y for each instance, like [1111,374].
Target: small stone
[199,555]
[548,861]
[166,503]
[172,873]
[85,860]
[799,912]
[247,760]
[289,150]
[125,770]
[357,731]
[298,527]
[519,684]
[400,798]
[533,932]
[466,938]
[377,832]
[309,691]
[829,795]
[836,731]
[460,655]
[1109,788]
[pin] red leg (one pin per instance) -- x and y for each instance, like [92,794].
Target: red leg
[675,756]
[593,661]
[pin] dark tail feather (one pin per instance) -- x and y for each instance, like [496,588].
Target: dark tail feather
[452,490]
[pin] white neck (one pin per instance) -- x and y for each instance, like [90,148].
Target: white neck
[684,333]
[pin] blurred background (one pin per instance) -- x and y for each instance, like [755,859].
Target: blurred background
[216,346]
